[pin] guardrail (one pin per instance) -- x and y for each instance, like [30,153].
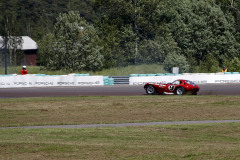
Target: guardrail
[118,80]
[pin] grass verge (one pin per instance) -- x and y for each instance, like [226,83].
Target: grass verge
[111,109]
[117,71]
[213,141]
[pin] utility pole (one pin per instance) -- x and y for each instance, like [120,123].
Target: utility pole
[5,55]
[136,30]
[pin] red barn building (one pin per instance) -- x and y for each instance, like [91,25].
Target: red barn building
[30,51]
[29,47]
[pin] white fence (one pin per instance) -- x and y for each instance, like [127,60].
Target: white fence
[199,78]
[11,81]
[41,80]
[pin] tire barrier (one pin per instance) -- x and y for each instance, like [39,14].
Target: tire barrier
[82,74]
[108,81]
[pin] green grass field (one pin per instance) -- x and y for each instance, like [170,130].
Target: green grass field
[205,141]
[118,71]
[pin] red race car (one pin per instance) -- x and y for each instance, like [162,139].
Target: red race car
[178,87]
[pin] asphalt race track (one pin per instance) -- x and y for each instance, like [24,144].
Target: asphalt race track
[116,90]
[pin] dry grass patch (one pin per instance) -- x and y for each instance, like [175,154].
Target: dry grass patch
[110,109]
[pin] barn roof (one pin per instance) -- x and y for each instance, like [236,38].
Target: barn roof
[28,43]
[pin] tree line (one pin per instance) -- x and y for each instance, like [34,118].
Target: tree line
[195,35]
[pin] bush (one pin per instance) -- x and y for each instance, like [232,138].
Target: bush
[210,64]
[233,65]
[176,60]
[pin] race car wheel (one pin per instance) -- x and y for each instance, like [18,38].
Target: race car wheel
[150,90]
[180,91]
[194,93]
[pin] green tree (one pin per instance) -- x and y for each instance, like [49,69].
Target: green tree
[35,17]
[74,45]
[84,7]
[155,51]
[201,28]
[233,7]
[46,50]
[125,26]
[9,29]
[116,31]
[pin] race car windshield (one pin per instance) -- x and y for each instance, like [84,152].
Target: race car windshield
[190,82]
[176,82]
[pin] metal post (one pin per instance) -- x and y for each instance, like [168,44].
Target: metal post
[5,41]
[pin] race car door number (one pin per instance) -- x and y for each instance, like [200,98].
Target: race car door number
[171,88]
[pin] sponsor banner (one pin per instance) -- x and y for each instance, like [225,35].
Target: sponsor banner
[49,81]
[84,81]
[196,78]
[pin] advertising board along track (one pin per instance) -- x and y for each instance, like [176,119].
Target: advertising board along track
[198,78]
[41,80]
